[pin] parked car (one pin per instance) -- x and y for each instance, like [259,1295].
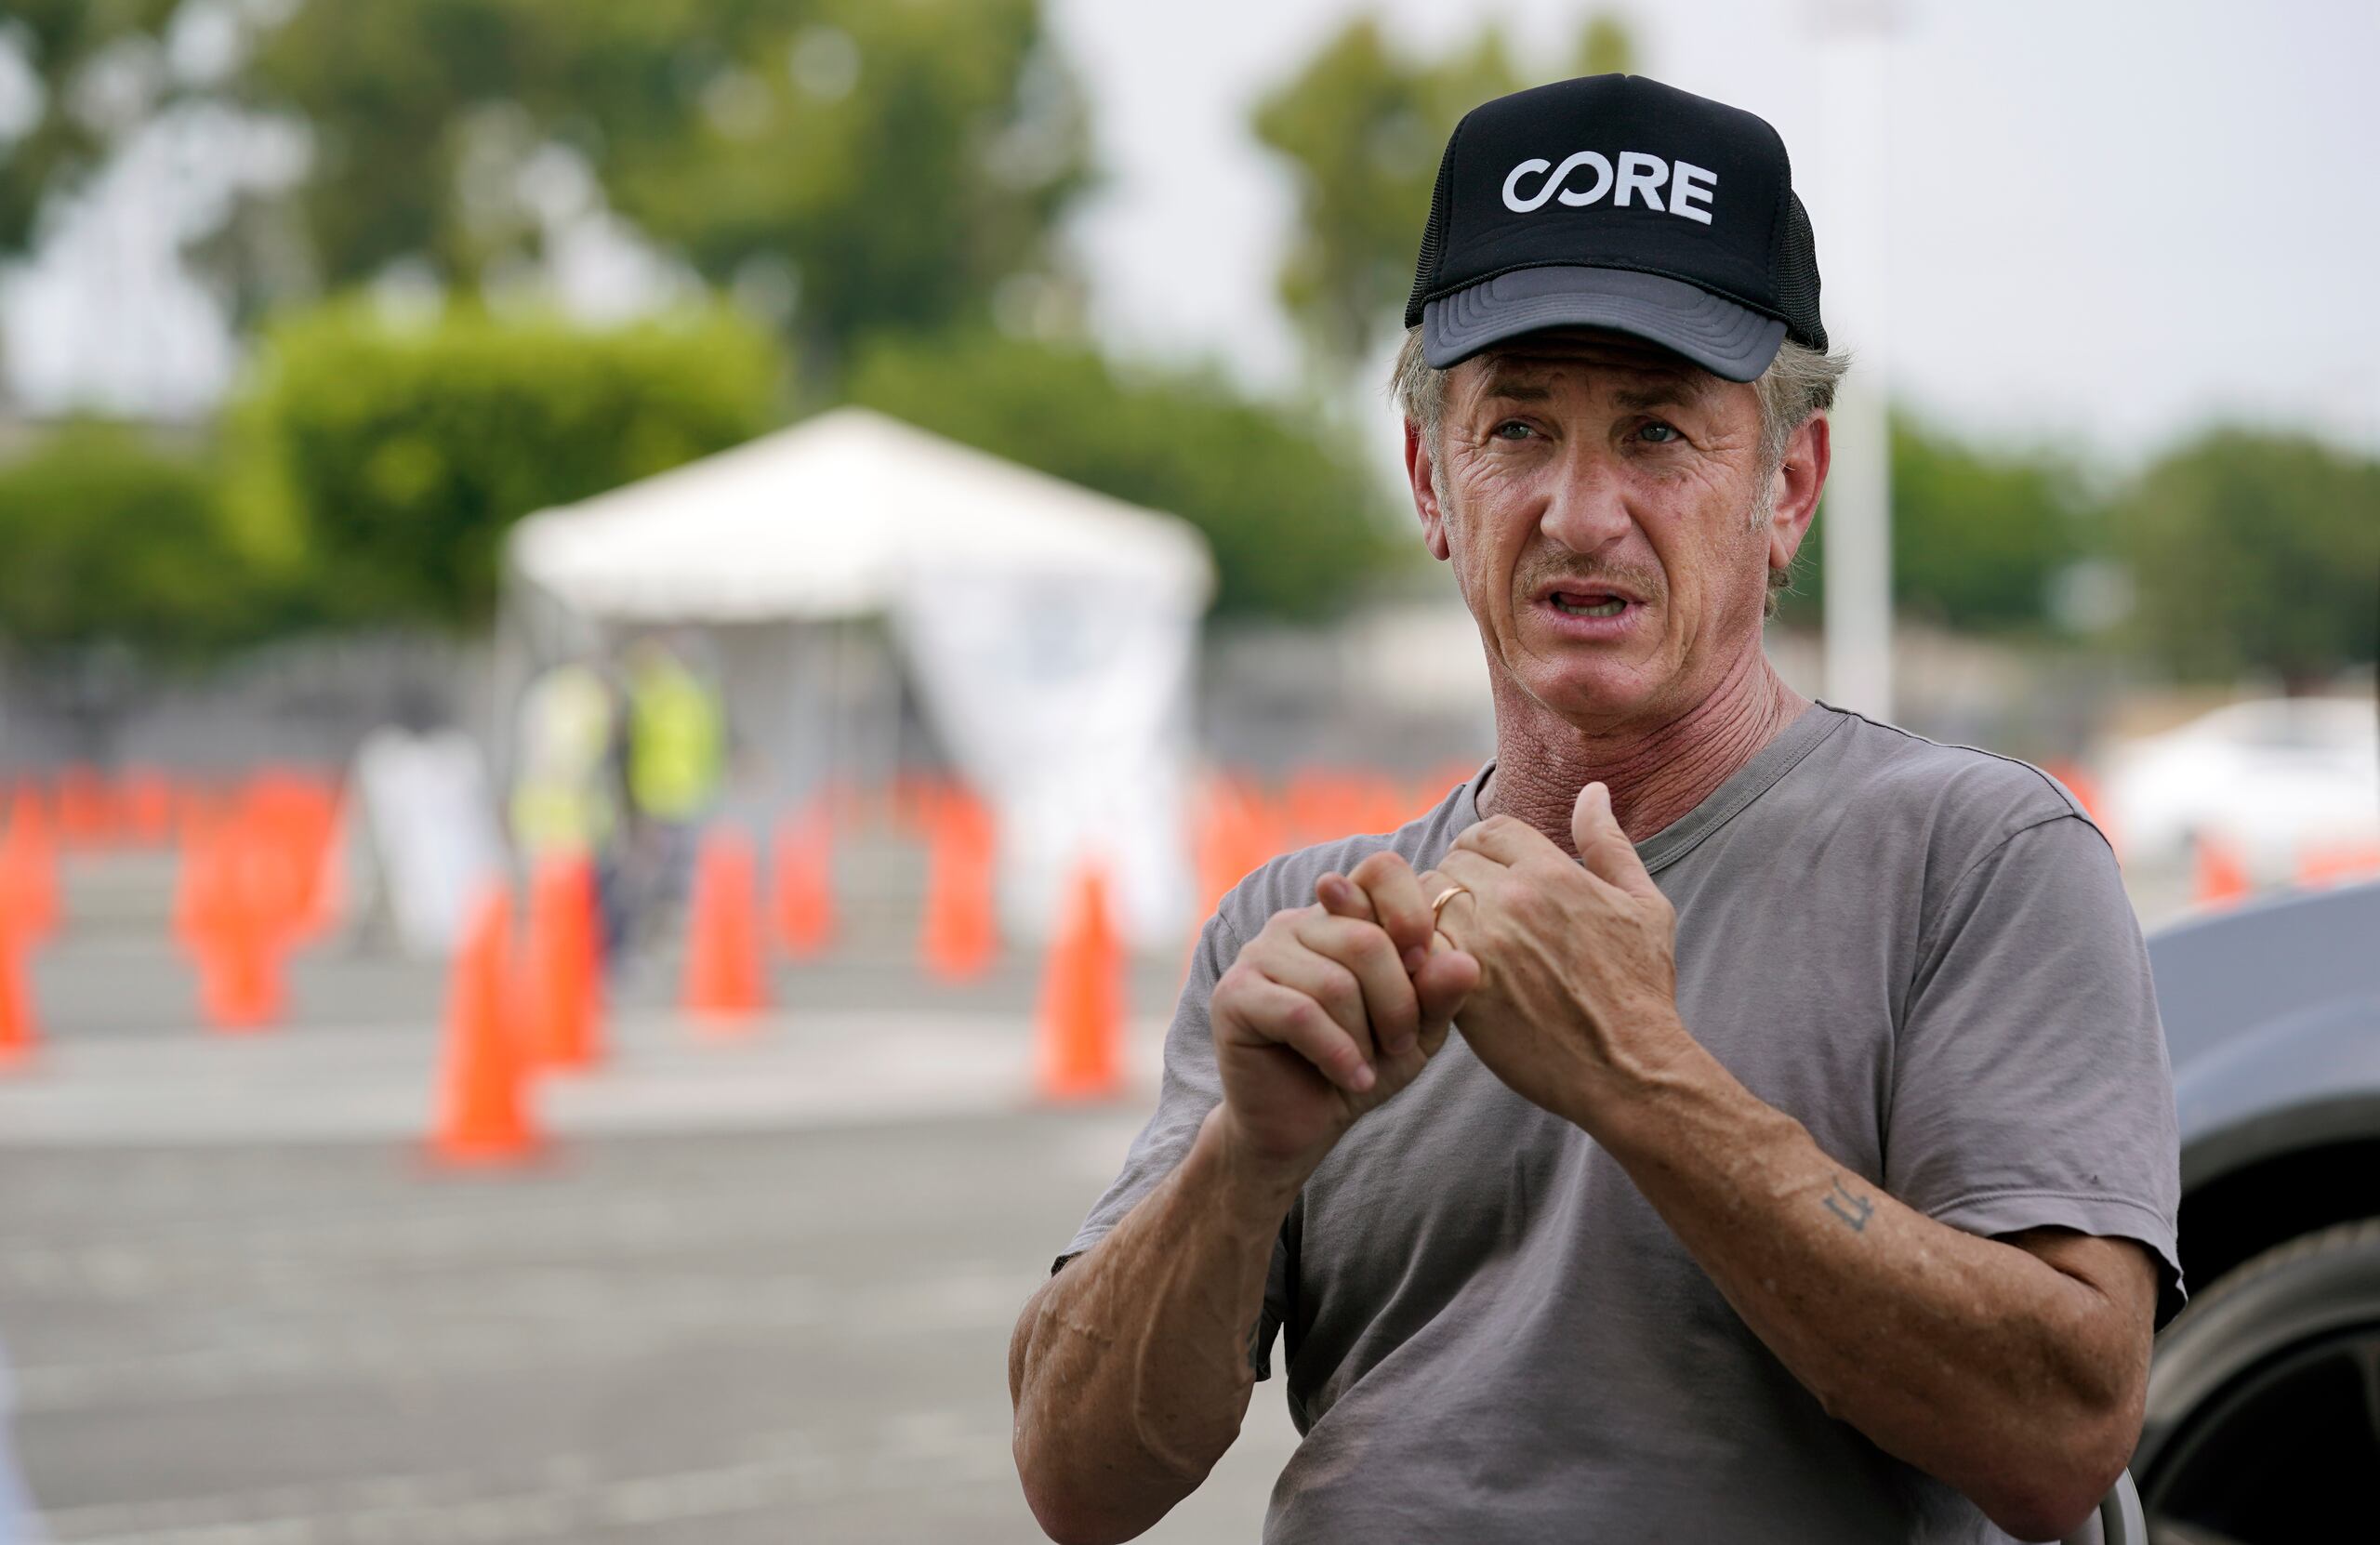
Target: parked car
[2268,778]
[2264,1397]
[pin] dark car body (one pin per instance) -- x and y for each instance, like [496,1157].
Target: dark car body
[2263,1419]
[2273,1017]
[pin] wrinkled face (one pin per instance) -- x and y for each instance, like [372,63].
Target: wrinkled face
[1598,511]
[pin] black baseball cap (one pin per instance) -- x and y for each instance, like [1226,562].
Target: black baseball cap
[1614,201]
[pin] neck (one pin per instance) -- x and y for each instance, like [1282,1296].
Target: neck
[1655,774]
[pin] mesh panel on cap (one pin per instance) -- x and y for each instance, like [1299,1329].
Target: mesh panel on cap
[1797,276]
[1433,234]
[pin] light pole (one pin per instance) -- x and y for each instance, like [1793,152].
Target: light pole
[1855,142]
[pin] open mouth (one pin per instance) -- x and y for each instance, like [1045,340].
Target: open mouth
[1587,604]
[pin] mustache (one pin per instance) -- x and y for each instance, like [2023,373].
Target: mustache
[1637,582]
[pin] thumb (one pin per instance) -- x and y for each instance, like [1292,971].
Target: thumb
[1603,847]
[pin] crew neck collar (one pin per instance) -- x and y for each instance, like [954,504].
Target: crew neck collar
[1801,735]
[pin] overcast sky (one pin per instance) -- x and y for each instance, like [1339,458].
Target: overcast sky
[2108,221]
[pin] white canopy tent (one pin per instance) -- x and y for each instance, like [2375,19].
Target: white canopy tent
[1051,632]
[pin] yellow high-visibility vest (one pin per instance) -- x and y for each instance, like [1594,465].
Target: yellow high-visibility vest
[676,735]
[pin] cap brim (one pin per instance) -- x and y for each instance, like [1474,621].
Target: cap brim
[1731,341]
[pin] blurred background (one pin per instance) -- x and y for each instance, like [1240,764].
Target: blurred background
[633,633]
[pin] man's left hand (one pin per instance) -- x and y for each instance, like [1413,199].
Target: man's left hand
[1577,1005]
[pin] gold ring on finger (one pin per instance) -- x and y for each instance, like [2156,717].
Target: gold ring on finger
[1450,894]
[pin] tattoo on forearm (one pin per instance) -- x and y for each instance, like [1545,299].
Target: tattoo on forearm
[1853,1210]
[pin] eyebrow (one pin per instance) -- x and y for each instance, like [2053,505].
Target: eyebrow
[1508,383]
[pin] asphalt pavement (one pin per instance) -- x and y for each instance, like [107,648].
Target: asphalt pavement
[783,1336]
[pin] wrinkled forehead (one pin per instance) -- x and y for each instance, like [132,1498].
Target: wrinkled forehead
[1557,362]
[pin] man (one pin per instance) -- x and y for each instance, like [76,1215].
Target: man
[677,752]
[1804,1167]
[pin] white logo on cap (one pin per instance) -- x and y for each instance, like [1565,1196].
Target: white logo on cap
[1639,176]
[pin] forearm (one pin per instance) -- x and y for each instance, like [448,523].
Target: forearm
[1969,1359]
[1130,1369]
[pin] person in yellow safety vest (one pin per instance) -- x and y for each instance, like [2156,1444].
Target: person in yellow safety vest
[677,739]
[676,759]
[563,799]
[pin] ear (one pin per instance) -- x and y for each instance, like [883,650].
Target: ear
[1800,477]
[1420,472]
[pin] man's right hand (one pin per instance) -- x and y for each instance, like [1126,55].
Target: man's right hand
[1325,1015]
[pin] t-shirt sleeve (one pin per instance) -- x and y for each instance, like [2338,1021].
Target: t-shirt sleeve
[1188,1090]
[2031,1082]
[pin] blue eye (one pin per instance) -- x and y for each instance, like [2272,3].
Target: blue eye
[1511,428]
[1660,433]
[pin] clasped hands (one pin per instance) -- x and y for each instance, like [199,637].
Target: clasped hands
[1562,968]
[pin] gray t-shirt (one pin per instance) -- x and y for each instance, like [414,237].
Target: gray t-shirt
[1922,952]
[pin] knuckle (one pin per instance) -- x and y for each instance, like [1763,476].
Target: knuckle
[1367,946]
[1339,989]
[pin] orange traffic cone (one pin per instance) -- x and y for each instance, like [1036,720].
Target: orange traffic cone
[20,1036]
[2222,879]
[293,817]
[959,935]
[2338,863]
[85,809]
[483,1116]
[805,883]
[724,978]
[148,806]
[1315,800]
[29,869]
[1082,1003]
[1220,842]
[238,934]
[2087,794]
[564,986]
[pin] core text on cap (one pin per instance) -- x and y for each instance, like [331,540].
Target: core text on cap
[1638,176]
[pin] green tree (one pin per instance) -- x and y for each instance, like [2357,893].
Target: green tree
[1978,535]
[1361,125]
[383,463]
[881,166]
[113,541]
[1296,525]
[2254,552]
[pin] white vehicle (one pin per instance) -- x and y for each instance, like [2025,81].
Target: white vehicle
[2271,779]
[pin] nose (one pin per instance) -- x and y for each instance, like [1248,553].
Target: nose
[1586,505]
